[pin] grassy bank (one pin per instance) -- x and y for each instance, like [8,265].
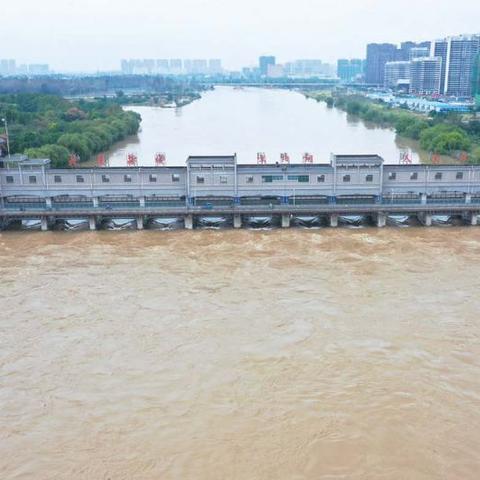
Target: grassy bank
[49,126]
[439,134]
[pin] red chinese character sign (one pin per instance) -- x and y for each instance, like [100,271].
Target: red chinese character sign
[101,162]
[160,159]
[73,160]
[261,158]
[463,157]
[405,157]
[132,160]
[284,158]
[307,158]
[435,158]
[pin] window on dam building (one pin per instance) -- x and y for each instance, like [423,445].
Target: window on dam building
[57,179]
[321,179]
[271,178]
[32,179]
[200,179]
[299,178]
[153,178]
[127,178]
[346,178]
[392,176]
[105,179]
[176,178]
[414,176]
[459,176]
[80,179]
[438,176]
[223,179]
[249,179]
[10,179]
[369,178]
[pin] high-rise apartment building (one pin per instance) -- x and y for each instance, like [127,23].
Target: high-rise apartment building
[350,70]
[458,63]
[404,53]
[8,67]
[176,66]
[396,74]
[425,75]
[378,54]
[264,62]
[215,66]
[419,52]
[162,66]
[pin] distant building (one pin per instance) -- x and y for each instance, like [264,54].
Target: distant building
[397,74]
[215,66]
[425,75]
[38,69]
[476,79]
[162,66]
[8,67]
[404,53]
[419,52]
[264,62]
[126,67]
[350,70]
[176,66]
[199,66]
[377,56]
[275,71]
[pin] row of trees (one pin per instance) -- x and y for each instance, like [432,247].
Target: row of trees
[437,133]
[50,126]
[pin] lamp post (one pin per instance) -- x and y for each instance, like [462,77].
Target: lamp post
[4,120]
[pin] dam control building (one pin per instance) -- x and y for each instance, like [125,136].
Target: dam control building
[212,190]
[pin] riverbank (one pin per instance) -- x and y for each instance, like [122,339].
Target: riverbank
[49,126]
[157,100]
[442,138]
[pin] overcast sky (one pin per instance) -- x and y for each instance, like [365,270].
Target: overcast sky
[96,34]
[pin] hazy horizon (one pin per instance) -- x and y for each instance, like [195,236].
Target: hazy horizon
[96,34]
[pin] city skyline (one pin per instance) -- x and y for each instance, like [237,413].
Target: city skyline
[91,36]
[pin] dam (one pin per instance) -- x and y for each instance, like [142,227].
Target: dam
[215,191]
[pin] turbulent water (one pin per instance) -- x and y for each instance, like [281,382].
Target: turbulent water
[282,355]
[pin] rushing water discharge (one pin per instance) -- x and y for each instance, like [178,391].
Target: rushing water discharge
[251,120]
[282,355]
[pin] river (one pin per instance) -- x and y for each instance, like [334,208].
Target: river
[250,120]
[240,355]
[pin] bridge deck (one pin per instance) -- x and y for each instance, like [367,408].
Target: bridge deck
[441,208]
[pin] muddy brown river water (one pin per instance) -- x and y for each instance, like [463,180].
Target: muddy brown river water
[282,355]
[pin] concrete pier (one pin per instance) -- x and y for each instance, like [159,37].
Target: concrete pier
[92,223]
[468,198]
[188,222]
[237,220]
[285,220]
[48,202]
[334,220]
[423,197]
[44,224]
[427,219]
[139,222]
[95,202]
[381,220]
[141,200]
[473,219]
